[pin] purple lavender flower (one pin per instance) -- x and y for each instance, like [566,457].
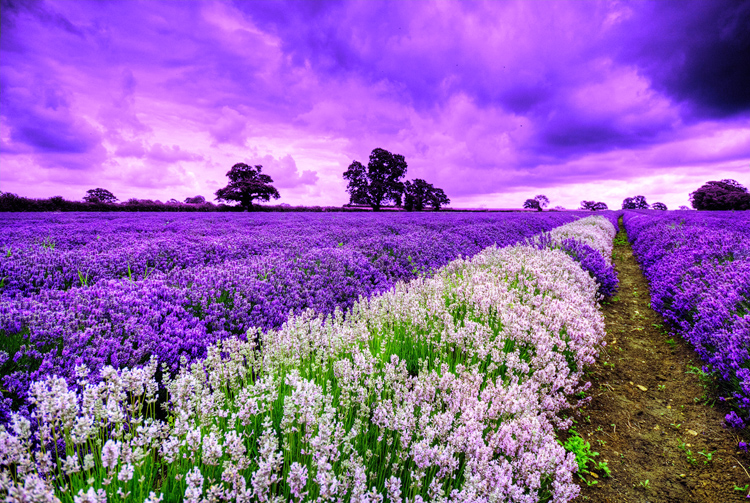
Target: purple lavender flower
[698,266]
[734,420]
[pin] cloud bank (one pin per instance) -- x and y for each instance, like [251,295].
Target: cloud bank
[492,101]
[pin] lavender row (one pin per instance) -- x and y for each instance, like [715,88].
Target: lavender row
[698,265]
[446,388]
[43,252]
[589,242]
[175,315]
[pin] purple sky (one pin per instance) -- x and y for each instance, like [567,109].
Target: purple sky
[493,102]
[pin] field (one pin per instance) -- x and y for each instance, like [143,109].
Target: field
[322,357]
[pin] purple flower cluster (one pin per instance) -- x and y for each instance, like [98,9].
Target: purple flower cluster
[592,262]
[698,265]
[588,242]
[170,285]
[50,251]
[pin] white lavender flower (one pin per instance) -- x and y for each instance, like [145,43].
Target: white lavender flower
[91,496]
[110,454]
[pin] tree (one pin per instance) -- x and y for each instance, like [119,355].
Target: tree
[683,207]
[195,200]
[600,207]
[419,193]
[659,206]
[99,195]
[725,194]
[543,200]
[593,206]
[635,203]
[245,184]
[532,204]
[380,182]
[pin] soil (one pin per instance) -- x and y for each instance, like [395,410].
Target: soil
[651,420]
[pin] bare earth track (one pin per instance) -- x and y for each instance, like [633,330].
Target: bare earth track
[649,418]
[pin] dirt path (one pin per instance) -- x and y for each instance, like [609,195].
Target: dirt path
[648,417]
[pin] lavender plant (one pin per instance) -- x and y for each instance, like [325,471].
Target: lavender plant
[589,242]
[698,266]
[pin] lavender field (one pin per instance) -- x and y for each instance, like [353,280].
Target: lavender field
[116,290]
[296,357]
[698,266]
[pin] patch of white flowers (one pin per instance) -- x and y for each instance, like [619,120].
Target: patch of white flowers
[597,232]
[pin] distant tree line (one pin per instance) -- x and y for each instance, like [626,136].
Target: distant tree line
[640,203]
[593,206]
[724,195]
[376,185]
[14,202]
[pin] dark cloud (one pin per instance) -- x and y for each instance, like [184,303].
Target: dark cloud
[11,9]
[38,114]
[570,135]
[523,98]
[310,31]
[63,137]
[695,51]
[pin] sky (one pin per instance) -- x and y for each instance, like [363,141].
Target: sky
[494,102]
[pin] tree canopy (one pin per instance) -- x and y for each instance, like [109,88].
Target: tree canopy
[195,200]
[542,199]
[532,204]
[593,206]
[247,183]
[419,193]
[635,203]
[659,206]
[99,195]
[725,194]
[378,183]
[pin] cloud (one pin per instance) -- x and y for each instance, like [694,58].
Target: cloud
[482,98]
[163,154]
[118,115]
[229,128]
[284,171]
[40,116]
[127,148]
[41,11]
[695,52]
[42,119]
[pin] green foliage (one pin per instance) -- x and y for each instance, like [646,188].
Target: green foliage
[690,456]
[84,278]
[708,455]
[584,455]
